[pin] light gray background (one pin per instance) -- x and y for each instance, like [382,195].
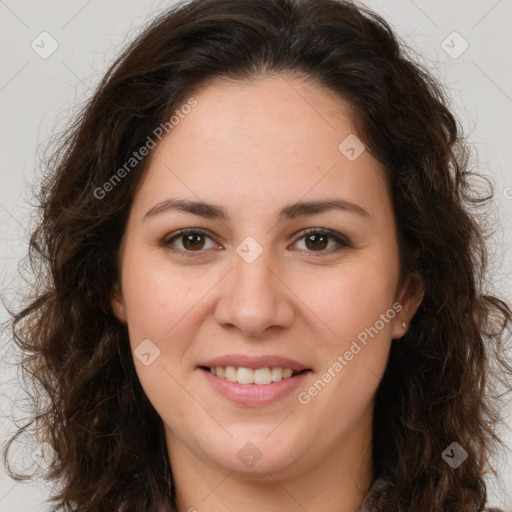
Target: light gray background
[38,96]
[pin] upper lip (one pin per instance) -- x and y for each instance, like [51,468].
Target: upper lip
[254,362]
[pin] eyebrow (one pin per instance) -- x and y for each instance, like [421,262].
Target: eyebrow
[291,211]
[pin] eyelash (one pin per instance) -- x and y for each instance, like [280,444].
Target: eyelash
[339,239]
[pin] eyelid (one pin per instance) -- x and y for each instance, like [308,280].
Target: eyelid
[182,232]
[340,239]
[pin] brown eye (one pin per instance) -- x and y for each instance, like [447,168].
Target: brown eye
[316,241]
[189,241]
[319,241]
[193,241]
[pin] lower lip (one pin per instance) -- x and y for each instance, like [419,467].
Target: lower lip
[254,394]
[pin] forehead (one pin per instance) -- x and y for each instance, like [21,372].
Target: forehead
[281,116]
[262,140]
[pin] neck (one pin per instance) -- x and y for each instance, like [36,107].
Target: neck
[335,480]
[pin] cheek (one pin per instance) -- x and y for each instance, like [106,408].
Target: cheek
[357,307]
[157,296]
[160,303]
[352,297]
[356,303]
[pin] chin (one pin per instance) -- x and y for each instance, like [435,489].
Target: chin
[255,454]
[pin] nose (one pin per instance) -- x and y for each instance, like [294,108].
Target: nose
[254,298]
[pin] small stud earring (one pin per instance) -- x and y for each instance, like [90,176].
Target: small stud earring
[404,325]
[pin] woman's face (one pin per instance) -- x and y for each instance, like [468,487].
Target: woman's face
[252,287]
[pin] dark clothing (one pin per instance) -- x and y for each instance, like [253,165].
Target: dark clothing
[379,487]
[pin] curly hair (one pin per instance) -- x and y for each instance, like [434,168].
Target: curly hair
[442,381]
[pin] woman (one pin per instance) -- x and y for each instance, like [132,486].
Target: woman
[265,280]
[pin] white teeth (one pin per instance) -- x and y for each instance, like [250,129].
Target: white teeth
[277,374]
[245,376]
[260,376]
[287,372]
[231,373]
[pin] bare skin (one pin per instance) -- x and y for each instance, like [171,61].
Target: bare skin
[254,148]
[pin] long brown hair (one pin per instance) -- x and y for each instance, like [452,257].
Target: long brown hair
[442,382]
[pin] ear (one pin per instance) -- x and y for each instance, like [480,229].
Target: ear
[410,298]
[117,304]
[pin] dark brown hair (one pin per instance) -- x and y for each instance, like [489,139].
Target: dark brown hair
[442,382]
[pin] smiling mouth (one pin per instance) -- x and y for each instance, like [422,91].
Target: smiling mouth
[260,376]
